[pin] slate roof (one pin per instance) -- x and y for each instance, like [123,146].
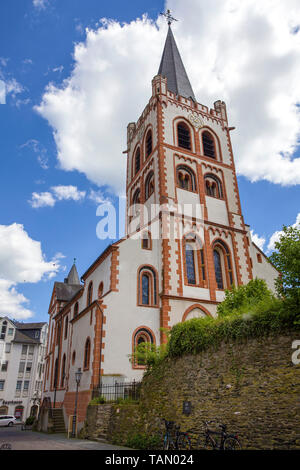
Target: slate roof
[171,67]
[20,337]
[73,277]
[29,326]
[66,292]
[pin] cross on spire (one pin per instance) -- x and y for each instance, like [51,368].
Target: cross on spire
[169,17]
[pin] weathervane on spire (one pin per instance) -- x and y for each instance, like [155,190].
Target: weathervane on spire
[169,17]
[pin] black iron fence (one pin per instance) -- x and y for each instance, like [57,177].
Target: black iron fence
[119,391]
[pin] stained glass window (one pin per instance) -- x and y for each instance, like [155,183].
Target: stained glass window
[145,290]
[190,264]
[218,269]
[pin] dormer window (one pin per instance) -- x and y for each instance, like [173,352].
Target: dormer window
[184,136]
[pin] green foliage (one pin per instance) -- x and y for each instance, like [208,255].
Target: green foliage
[286,258]
[126,401]
[143,442]
[148,354]
[98,401]
[240,299]
[267,317]
[30,420]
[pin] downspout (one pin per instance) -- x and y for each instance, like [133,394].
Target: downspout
[101,333]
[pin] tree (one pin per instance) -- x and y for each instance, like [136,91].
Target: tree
[286,258]
[245,298]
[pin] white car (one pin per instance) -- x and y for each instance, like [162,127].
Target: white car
[7,420]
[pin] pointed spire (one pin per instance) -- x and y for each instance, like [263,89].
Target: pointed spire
[73,277]
[171,67]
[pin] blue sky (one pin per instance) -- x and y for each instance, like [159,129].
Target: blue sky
[37,44]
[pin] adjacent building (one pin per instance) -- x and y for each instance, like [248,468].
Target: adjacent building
[171,266]
[22,351]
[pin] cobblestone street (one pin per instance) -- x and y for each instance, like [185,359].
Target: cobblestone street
[17,439]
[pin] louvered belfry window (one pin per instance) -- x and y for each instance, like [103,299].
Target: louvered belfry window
[137,161]
[148,144]
[208,145]
[184,136]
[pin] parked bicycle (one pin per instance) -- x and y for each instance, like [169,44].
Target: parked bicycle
[226,441]
[174,438]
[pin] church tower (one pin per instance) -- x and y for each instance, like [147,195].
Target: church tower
[186,243]
[181,172]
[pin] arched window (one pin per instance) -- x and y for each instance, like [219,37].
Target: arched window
[149,185]
[136,199]
[147,286]
[90,294]
[76,307]
[58,331]
[145,289]
[223,265]
[184,136]
[73,358]
[66,326]
[146,240]
[213,186]
[186,178]
[208,142]
[100,290]
[56,378]
[3,410]
[148,143]
[141,335]
[63,371]
[19,412]
[87,353]
[137,161]
[194,261]
[218,269]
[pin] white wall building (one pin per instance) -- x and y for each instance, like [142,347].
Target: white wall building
[22,351]
[178,152]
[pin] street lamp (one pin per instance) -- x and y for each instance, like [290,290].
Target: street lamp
[78,375]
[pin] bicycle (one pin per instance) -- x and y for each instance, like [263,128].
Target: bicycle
[182,440]
[227,441]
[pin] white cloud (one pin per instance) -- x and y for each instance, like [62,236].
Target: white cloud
[58,193]
[4,61]
[98,197]
[259,241]
[68,192]
[44,199]
[12,302]
[40,4]
[276,235]
[21,260]
[13,87]
[242,52]
[37,148]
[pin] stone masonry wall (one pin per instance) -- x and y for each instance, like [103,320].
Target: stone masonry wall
[253,387]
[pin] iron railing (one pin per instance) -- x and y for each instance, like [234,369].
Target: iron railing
[112,393]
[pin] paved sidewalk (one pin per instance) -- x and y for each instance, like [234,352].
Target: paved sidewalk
[29,440]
